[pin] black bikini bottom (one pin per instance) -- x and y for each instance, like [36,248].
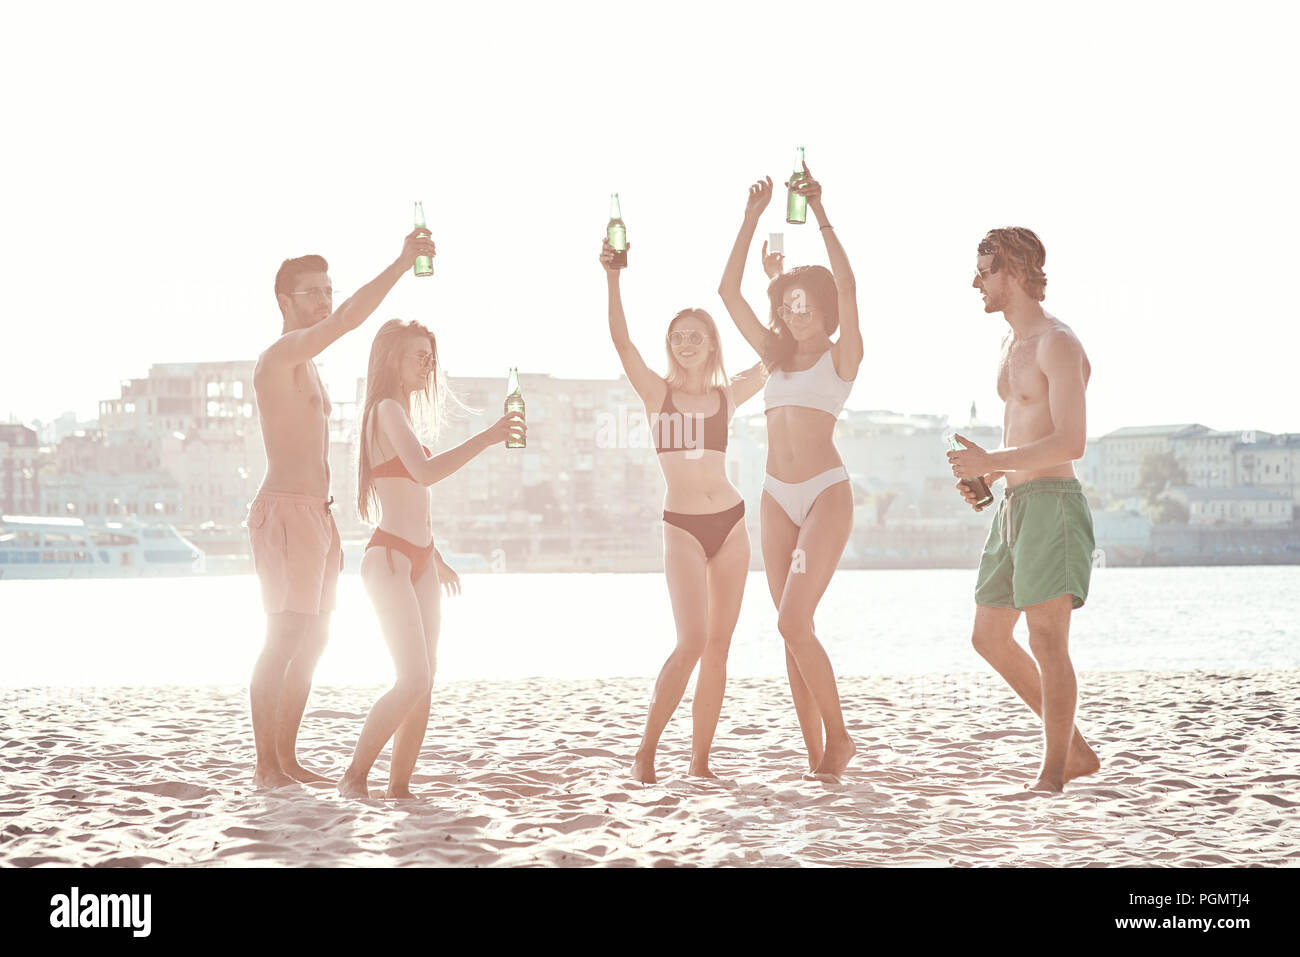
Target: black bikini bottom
[710,529]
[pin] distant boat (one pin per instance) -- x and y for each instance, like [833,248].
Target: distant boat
[35,546]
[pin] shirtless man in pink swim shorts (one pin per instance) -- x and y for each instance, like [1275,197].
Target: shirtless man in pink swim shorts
[296,549]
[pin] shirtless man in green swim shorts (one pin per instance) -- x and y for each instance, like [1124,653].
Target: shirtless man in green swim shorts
[1038,558]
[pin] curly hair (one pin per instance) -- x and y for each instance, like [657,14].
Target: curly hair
[1022,252]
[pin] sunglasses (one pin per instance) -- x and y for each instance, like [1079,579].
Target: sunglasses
[785,313]
[315,292]
[687,338]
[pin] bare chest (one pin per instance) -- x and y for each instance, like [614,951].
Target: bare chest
[309,391]
[292,399]
[1019,376]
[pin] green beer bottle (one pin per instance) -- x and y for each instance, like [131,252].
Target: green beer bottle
[796,207]
[977,485]
[514,403]
[423,264]
[617,232]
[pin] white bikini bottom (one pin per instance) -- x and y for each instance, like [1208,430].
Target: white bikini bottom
[797,498]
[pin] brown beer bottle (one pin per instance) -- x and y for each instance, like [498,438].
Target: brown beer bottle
[977,485]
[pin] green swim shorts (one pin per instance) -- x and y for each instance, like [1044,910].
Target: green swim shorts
[1040,546]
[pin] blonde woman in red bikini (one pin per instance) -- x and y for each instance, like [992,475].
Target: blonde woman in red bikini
[402,570]
[706,547]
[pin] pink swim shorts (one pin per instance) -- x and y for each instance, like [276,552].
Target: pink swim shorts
[296,552]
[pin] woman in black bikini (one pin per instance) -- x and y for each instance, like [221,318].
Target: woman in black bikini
[401,568]
[706,548]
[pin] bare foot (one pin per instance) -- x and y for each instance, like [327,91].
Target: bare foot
[1081,762]
[398,794]
[643,769]
[822,776]
[351,788]
[271,778]
[839,752]
[1046,785]
[299,773]
[815,756]
[701,771]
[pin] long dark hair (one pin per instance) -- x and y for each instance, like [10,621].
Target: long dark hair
[821,288]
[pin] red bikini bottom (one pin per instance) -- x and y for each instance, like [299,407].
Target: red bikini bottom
[710,528]
[418,555]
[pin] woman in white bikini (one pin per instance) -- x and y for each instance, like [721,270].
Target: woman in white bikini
[706,548]
[807,504]
[402,568]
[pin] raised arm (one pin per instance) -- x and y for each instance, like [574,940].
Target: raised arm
[745,385]
[773,263]
[647,383]
[849,345]
[755,333]
[430,471]
[299,345]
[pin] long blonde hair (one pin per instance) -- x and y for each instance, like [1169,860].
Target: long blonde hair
[384,381]
[716,374]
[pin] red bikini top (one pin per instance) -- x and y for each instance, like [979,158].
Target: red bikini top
[394,468]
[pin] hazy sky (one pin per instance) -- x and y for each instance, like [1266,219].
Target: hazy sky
[161,160]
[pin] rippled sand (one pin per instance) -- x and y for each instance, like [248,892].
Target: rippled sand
[1197,769]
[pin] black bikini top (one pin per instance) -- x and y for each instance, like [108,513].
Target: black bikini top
[678,431]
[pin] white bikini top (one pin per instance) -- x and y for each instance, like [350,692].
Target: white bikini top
[817,387]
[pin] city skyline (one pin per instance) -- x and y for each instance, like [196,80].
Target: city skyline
[198,423]
[183,445]
[343,396]
[1162,187]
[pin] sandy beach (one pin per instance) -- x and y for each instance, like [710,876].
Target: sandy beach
[1198,769]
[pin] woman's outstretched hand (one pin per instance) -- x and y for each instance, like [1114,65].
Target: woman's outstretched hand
[773,263]
[607,253]
[808,187]
[760,194]
[511,426]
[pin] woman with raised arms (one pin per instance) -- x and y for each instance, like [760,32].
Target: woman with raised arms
[402,568]
[807,504]
[706,547]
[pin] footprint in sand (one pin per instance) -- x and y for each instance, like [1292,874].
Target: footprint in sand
[1275,800]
